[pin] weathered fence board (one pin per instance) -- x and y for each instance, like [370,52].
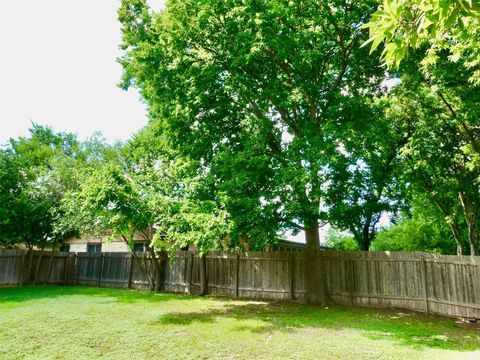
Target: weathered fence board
[11,267]
[17,267]
[446,285]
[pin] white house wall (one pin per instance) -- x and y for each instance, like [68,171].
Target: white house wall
[114,246]
[78,247]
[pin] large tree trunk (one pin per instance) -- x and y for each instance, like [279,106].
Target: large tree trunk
[203,275]
[316,280]
[366,236]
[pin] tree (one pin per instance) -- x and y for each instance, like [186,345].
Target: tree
[260,85]
[366,177]
[34,177]
[441,37]
[141,190]
[434,161]
[35,173]
[340,241]
[420,230]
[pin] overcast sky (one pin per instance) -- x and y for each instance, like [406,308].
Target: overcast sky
[58,67]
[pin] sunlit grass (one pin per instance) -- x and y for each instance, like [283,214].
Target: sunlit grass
[81,323]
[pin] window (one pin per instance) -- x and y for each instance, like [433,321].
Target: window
[139,247]
[93,248]
[65,248]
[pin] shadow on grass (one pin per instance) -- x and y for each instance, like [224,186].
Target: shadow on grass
[28,293]
[408,328]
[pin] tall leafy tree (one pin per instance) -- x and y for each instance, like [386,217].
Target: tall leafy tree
[442,40]
[435,162]
[257,88]
[34,176]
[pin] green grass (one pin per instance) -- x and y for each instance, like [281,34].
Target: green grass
[84,323]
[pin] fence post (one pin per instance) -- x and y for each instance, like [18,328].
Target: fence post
[350,279]
[476,280]
[130,272]
[22,270]
[425,281]
[101,269]
[292,277]
[237,274]
[190,276]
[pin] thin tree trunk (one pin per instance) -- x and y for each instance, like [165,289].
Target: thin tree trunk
[315,267]
[141,266]
[159,269]
[30,263]
[148,269]
[452,224]
[458,237]
[40,256]
[469,215]
[50,263]
[473,239]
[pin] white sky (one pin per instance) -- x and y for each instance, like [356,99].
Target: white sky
[58,67]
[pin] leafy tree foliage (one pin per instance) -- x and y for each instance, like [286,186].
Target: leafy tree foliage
[451,26]
[443,156]
[255,91]
[419,231]
[366,180]
[34,176]
[340,241]
[142,189]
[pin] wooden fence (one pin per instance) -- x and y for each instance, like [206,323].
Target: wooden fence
[446,285]
[95,269]
[18,267]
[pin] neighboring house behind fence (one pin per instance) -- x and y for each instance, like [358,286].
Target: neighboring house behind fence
[93,245]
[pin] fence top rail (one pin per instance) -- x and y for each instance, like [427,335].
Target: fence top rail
[377,256]
[397,256]
[20,253]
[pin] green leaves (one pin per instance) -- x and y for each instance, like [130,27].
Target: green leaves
[35,173]
[229,81]
[405,25]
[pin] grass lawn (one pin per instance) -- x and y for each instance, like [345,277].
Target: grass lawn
[81,322]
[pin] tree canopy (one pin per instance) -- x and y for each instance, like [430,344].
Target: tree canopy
[262,94]
[34,175]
